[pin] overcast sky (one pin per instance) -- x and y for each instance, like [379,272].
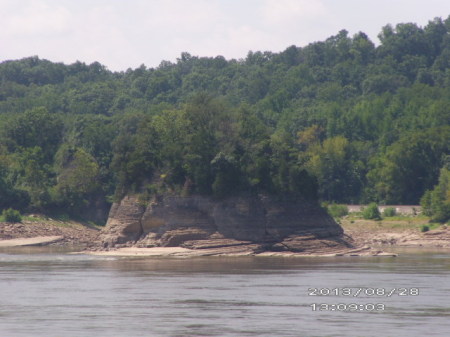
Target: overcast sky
[123,34]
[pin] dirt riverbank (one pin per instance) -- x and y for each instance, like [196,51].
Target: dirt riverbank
[364,235]
[47,231]
[402,232]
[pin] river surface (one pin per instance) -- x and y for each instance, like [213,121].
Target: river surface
[52,293]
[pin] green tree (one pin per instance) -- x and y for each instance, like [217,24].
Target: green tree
[10,196]
[204,116]
[336,171]
[136,152]
[409,167]
[436,202]
[33,175]
[77,177]
[227,175]
[34,128]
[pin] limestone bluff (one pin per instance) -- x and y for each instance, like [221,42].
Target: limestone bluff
[257,223]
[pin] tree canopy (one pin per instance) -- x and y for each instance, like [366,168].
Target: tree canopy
[341,120]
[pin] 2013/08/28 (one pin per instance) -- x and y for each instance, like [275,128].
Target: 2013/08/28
[355,292]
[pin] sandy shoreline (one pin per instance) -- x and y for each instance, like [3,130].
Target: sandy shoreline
[34,241]
[366,237]
[185,252]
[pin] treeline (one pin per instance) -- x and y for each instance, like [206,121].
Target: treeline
[341,120]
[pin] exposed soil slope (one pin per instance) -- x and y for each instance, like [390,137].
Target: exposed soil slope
[71,233]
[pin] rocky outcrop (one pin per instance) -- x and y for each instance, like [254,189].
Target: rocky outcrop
[124,222]
[254,223]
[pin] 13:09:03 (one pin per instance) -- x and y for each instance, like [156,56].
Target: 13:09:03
[347,307]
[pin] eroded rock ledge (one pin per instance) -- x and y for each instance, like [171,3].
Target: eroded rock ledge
[250,224]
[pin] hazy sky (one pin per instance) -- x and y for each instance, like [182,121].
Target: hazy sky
[124,34]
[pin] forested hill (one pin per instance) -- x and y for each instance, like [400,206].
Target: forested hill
[341,119]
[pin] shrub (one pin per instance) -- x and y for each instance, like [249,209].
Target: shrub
[389,211]
[337,211]
[436,203]
[424,228]
[11,215]
[371,212]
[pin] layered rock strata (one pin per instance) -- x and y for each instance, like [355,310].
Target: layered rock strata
[236,224]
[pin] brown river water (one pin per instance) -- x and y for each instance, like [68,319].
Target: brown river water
[48,292]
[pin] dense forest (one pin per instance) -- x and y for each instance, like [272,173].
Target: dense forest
[341,120]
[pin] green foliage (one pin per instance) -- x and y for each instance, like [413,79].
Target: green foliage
[227,175]
[9,194]
[34,128]
[33,175]
[11,215]
[337,172]
[436,203]
[371,212]
[337,211]
[389,212]
[77,177]
[341,120]
[410,166]
[424,228]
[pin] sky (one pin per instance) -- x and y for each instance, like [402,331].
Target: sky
[122,34]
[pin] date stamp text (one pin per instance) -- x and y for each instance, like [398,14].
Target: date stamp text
[364,292]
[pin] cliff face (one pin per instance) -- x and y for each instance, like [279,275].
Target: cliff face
[197,222]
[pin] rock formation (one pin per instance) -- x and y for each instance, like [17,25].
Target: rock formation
[235,224]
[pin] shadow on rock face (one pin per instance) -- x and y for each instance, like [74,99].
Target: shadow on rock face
[260,222]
